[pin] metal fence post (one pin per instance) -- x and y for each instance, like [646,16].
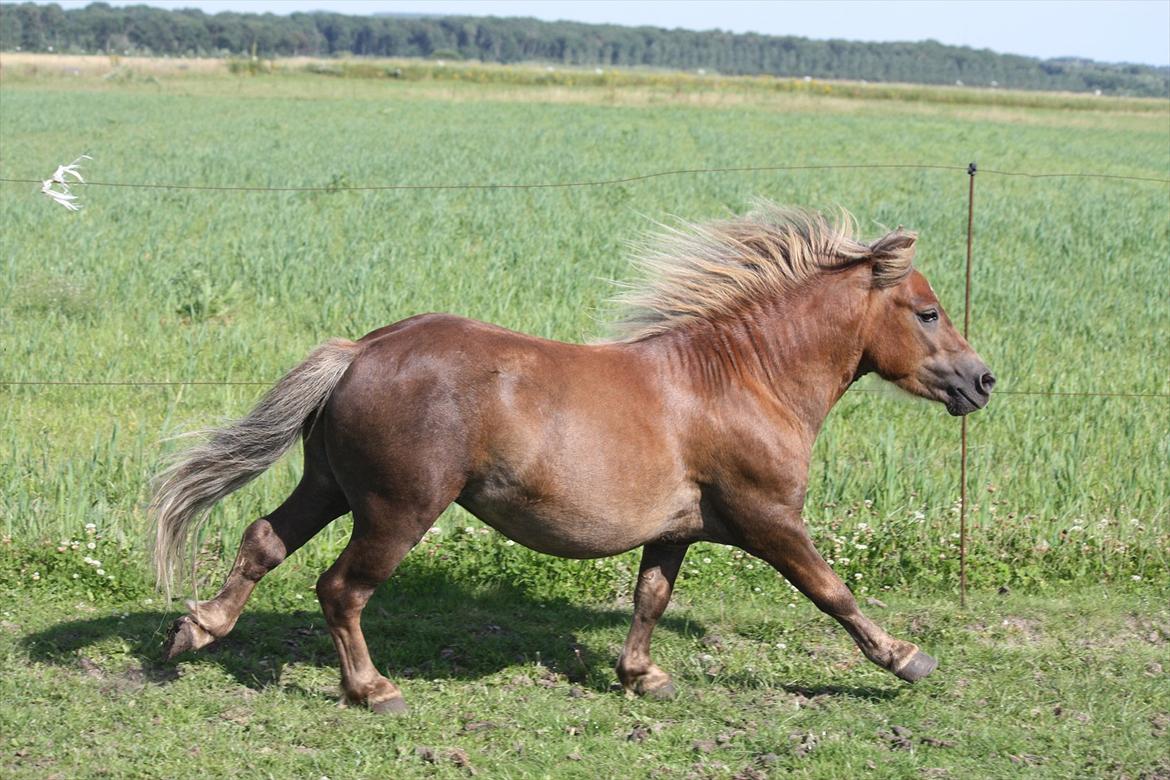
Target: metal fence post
[971,170]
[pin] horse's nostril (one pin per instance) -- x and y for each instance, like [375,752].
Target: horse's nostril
[986,382]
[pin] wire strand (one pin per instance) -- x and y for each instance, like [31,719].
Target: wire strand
[594,182]
[504,186]
[258,383]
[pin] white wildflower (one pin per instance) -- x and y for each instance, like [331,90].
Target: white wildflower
[91,545]
[100,572]
[60,181]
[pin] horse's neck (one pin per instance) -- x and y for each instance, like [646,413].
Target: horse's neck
[805,350]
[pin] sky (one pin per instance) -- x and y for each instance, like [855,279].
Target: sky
[1105,30]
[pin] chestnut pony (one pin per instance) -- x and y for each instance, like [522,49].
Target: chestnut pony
[694,423]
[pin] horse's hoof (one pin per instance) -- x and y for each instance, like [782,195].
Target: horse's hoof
[184,635]
[393,706]
[919,665]
[662,692]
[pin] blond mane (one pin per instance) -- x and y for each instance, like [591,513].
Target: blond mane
[714,270]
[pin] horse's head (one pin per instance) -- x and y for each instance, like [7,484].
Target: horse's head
[910,341]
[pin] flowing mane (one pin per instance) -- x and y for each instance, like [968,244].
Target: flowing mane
[714,270]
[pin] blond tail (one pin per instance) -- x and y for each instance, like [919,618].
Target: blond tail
[232,456]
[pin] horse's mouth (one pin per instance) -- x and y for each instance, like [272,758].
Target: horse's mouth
[959,402]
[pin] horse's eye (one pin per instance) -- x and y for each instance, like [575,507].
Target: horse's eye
[930,315]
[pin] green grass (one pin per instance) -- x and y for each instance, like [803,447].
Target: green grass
[1067,493]
[1067,686]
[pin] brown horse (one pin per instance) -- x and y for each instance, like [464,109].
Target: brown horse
[694,424]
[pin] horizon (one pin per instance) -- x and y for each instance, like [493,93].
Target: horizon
[1086,29]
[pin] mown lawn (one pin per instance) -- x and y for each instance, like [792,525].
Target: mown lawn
[505,684]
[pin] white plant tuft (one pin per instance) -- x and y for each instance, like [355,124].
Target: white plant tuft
[57,185]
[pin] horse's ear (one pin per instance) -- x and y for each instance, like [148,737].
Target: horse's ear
[892,256]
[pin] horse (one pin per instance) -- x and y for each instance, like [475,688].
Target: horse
[693,421]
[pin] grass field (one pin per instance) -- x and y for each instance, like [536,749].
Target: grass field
[518,686]
[1068,493]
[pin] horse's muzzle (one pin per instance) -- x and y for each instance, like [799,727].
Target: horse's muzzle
[971,390]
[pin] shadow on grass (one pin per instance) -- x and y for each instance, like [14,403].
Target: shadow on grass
[423,626]
[428,627]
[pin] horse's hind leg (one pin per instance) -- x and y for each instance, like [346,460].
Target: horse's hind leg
[384,531]
[315,502]
[656,576]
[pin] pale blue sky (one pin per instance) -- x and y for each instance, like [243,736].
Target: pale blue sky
[1106,30]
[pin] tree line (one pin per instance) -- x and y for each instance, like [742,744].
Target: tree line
[153,31]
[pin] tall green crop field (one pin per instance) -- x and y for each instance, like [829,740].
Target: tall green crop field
[1070,285]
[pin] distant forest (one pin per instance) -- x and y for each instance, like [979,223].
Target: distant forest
[151,31]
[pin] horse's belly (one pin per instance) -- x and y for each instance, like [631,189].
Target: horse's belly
[559,525]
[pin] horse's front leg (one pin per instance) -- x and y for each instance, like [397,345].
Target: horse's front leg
[782,540]
[656,576]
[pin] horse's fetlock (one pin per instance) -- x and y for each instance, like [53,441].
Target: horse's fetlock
[371,693]
[628,669]
[646,680]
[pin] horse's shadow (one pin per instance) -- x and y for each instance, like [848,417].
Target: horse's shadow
[424,626]
[433,628]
